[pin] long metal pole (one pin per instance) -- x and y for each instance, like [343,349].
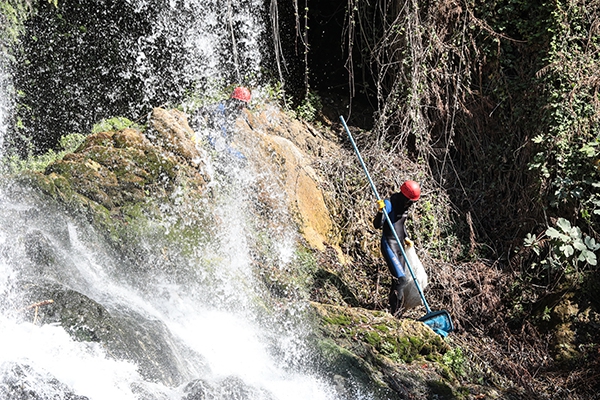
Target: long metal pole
[387,217]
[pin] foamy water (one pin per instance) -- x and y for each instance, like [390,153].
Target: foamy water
[51,353]
[214,340]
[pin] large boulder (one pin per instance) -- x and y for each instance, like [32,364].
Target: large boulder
[119,167]
[290,147]
[393,357]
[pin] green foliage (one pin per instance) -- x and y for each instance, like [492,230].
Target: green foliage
[70,143]
[13,163]
[455,360]
[567,150]
[571,244]
[310,107]
[428,222]
[275,92]
[430,227]
[115,124]
[540,66]
[546,314]
[566,248]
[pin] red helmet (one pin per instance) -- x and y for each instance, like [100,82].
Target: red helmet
[411,190]
[241,93]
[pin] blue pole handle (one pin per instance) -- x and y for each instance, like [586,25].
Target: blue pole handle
[387,217]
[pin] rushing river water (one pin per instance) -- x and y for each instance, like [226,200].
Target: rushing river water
[198,333]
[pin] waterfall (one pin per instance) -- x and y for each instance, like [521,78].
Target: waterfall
[197,328]
[106,59]
[208,322]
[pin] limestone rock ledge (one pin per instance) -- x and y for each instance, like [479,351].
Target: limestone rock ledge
[290,147]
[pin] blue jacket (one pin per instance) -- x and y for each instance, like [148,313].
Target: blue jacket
[220,119]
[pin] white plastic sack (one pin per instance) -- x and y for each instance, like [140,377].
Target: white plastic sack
[412,298]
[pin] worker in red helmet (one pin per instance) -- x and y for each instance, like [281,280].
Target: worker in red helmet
[219,119]
[397,209]
[242,94]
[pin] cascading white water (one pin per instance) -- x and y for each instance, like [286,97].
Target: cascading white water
[209,31]
[214,341]
[212,330]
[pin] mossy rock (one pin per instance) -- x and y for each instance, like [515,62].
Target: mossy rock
[131,189]
[394,357]
[345,369]
[114,168]
[399,339]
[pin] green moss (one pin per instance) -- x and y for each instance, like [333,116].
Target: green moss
[373,338]
[390,350]
[158,166]
[409,348]
[115,124]
[381,336]
[339,319]
[406,351]
[35,179]
[417,342]
[87,179]
[134,213]
[100,215]
[401,348]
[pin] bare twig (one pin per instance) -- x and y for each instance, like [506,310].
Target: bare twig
[36,307]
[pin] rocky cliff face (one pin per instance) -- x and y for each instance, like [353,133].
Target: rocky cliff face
[126,182]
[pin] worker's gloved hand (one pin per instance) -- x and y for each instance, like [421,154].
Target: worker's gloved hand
[408,242]
[380,204]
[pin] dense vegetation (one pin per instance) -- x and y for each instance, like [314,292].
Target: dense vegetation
[499,101]
[494,106]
